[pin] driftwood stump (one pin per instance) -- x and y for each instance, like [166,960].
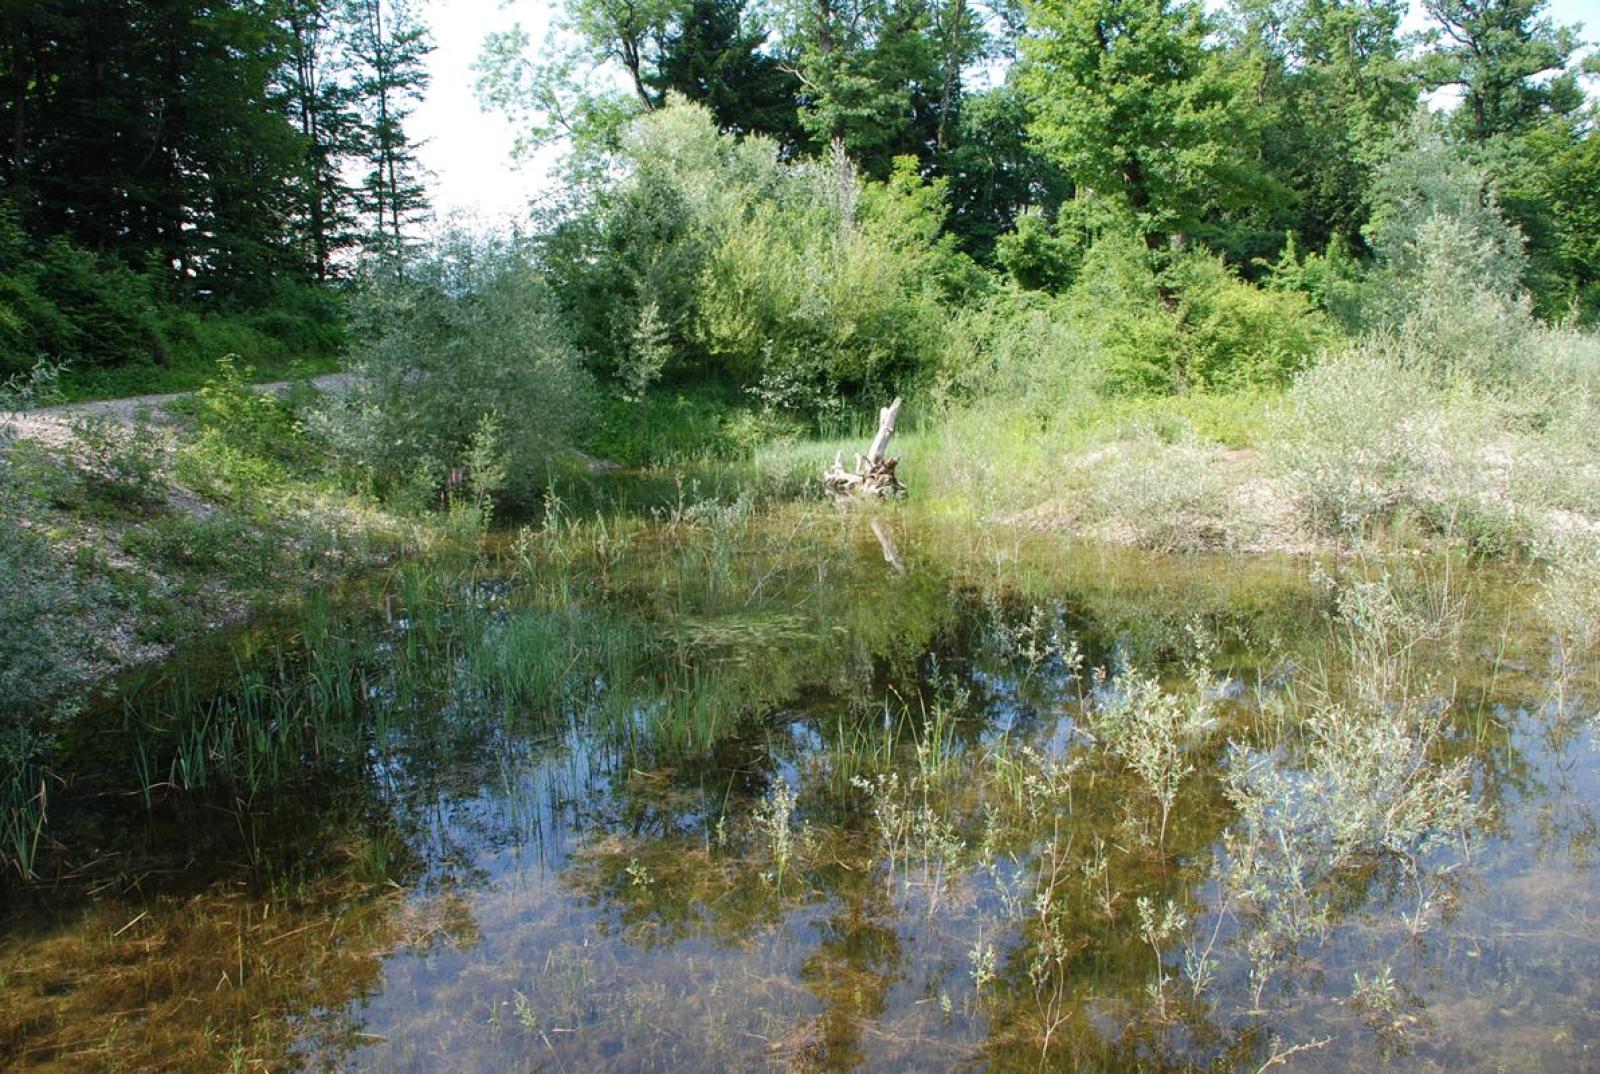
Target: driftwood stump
[874,474]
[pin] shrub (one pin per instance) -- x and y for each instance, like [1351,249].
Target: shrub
[63,303]
[702,255]
[468,331]
[1235,335]
[1123,329]
[252,421]
[1367,436]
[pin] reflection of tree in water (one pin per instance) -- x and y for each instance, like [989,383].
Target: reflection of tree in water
[857,960]
[812,669]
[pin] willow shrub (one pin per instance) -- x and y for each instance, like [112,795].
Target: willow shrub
[1125,329]
[704,256]
[468,337]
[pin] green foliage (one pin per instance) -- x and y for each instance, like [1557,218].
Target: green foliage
[206,146]
[1332,280]
[706,51]
[712,54]
[221,545]
[468,332]
[1047,255]
[247,440]
[43,653]
[120,463]
[62,303]
[997,178]
[1495,52]
[1239,336]
[1484,445]
[1331,83]
[119,336]
[795,281]
[1131,101]
[1368,437]
[691,423]
[1429,179]
[1112,332]
[254,422]
[1548,182]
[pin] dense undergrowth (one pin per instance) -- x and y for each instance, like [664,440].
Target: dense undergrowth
[117,333]
[706,300]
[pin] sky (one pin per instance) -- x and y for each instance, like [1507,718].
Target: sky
[467,150]
[474,179]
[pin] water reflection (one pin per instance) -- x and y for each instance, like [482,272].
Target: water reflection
[824,791]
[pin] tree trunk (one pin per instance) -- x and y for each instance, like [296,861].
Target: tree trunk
[873,475]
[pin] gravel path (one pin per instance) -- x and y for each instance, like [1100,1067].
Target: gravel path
[51,423]
[125,409]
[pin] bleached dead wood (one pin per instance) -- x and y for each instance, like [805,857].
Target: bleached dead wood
[873,475]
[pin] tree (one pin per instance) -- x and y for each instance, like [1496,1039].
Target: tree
[322,107]
[1548,183]
[713,54]
[1494,51]
[154,131]
[881,78]
[1333,87]
[995,173]
[1130,102]
[607,61]
[388,49]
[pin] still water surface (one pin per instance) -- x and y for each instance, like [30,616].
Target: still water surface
[801,789]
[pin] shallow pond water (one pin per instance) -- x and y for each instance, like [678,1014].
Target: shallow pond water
[802,789]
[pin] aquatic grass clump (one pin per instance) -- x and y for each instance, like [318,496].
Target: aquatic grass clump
[774,818]
[24,800]
[260,733]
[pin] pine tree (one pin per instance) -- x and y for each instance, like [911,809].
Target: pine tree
[387,48]
[153,130]
[711,53]
[321,106]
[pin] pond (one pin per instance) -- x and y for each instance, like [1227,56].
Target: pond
[717,788]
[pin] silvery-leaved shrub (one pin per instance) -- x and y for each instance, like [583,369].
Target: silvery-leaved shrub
[1367,434]
[469,331]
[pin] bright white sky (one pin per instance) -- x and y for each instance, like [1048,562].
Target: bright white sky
[467,150]
[469,153]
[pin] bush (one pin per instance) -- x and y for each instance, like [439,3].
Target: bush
[1368,436]
[121,464]
[1024,349]
[704,256]
[121,332]
[469,331]
[62,303]
[1235,335]
[1122,329]
[675,425]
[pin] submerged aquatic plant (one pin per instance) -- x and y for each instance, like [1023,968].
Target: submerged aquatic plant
[774,819]
[1151,730]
